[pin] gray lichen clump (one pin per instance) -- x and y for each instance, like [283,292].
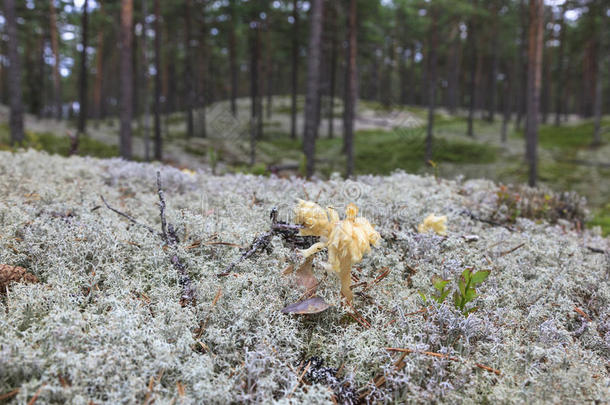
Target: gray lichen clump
[105,324]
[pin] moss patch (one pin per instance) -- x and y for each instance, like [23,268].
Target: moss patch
[52,144]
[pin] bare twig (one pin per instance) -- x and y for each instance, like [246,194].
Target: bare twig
[582,313]
[511,250]
[596,250]
[129,217]
[9,394]
[260,243]
[487,221]
[288,232]
[168,233]
[36,394]
[170,239]
[299,380]
[167,230]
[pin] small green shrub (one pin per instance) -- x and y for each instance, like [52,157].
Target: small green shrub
[538,204]
[464,294]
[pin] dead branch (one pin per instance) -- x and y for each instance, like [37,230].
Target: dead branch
[486,221]
[596,250]
[288,232]
[168,232]
[129,217]
[506,252]
[170,240]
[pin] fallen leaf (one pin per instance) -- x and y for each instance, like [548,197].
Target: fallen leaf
[306,278]
[309,306]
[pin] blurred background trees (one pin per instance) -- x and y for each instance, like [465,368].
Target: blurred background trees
[94,59]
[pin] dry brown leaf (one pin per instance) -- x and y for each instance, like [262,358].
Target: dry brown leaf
[306,278]
[310,306]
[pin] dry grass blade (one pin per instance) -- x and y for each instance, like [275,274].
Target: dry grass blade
[181,389]
[582,313]
[36,395]
[443,356]
[299,380]
[386,271]
[511,250]
[380,380]
[9,394]
[357,317]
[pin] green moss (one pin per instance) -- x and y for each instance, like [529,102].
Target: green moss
[48,142]
[602,218]
[569,137]
[381,152]
[258,169]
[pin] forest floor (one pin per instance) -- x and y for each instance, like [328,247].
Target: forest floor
[387,138]
[105,324]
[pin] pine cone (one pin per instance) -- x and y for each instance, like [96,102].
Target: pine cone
[10,274]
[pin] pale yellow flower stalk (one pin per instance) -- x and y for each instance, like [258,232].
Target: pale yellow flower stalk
[347,241]
[437,224]
[188,171]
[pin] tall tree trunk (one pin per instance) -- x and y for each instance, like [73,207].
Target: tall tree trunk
[189,96]
[56,59]
[350,88]
[559,76]
[269,68]
[431,82]
[33,81]
[313,82]
[402,72]
[99,68]
[333,69]
[202,57]
[545,98]
[521,105]
[411,77]
[157,105]
[295,69]
[602,55]
[254,85]
[233,58]
[82,116]
[454,69]
[509,90]
[14,74]
[144,75]
[374,79]
[534,73]
[493,74]
[126,76]
[473,73]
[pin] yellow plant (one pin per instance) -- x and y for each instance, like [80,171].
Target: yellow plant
[347,240]
[437,224]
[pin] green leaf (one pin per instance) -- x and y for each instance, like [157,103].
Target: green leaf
[466,275]
[462,286]
[444,295]
[423,297]
[439,283]
[470,294]
[480,276]
[471,310]
[457,300]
